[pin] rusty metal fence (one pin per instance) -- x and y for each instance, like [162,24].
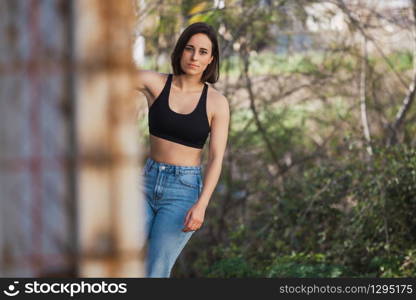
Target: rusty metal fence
[69,154]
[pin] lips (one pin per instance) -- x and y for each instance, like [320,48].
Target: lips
[193,66]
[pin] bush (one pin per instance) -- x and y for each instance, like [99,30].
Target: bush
[357,214]
[305,265]
[234,267]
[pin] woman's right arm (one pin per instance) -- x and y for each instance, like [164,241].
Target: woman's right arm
[150,83]
[144,79]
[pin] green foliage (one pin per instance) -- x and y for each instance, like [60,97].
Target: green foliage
[305,265]
[341,218]
[401,60]
[293,265]
[270,63]
[235,267]
[298,64]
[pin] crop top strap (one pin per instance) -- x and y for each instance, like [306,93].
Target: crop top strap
[166,88]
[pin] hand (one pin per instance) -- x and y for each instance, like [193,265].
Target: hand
[194,218]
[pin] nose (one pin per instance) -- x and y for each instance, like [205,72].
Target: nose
[194,55]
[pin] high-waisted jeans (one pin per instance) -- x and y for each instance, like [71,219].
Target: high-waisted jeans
[170,191]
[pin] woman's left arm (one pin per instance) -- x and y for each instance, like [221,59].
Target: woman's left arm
[218,141]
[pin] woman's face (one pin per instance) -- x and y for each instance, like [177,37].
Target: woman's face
[197,54]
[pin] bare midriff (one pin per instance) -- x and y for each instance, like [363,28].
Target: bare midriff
[168,152]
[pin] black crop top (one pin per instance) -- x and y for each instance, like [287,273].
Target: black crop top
[187,129]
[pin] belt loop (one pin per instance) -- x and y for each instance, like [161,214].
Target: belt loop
[176,170]
[149,164]
[145,166]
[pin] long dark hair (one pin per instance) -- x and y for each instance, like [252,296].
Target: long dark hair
[211,73]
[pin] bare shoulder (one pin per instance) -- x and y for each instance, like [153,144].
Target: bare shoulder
[217,103]
[149,80]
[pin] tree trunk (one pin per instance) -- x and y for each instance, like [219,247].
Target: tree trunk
[363,92]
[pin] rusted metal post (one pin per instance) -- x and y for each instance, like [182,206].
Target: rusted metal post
[36,189]
[109,210]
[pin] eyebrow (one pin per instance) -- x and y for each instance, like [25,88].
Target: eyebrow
[193,46]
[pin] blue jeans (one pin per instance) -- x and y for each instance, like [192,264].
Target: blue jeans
[170,191]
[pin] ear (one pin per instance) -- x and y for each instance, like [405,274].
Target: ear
[212,58]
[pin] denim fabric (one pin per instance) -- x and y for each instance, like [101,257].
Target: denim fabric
[170,191]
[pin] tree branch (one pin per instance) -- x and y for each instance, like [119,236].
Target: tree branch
[410,96]
[253,108]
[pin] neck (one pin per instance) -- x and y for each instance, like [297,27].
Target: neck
[187,83]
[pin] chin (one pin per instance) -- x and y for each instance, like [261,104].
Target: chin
[192,71]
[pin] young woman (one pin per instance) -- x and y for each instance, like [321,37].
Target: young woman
[183,111]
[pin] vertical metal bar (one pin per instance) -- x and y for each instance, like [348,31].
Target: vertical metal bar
[108,189]
[72,167]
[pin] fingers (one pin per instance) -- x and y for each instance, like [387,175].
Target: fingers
[192,226]
[188,214]
[191,222]
[187,219]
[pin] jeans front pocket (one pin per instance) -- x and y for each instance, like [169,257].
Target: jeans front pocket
[190,180]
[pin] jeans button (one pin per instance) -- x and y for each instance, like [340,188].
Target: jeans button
[162,167]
